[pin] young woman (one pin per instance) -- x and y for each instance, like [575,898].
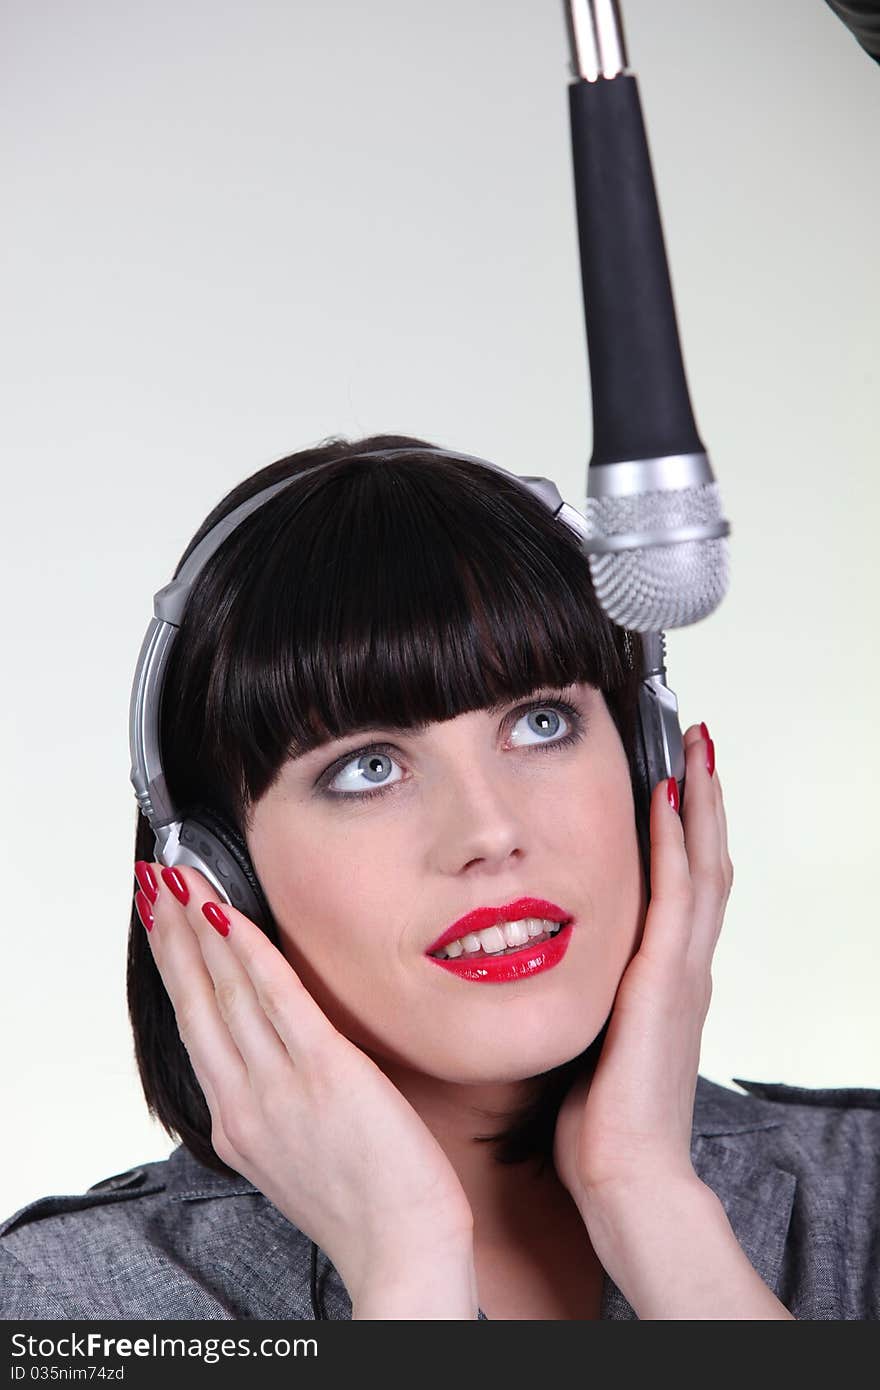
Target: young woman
[457,1073]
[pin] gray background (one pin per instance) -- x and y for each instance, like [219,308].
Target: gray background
[234,229]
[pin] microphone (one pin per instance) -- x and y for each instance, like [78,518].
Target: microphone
[655,535]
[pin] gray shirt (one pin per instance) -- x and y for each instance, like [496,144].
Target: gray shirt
[797,1170]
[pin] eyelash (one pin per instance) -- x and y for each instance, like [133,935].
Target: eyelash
[577,730]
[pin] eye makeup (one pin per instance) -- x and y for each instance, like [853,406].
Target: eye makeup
[577,723]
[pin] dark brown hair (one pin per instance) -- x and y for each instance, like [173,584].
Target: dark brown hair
[376,591]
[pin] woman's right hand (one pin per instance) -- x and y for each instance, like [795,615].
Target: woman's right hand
[295,1107]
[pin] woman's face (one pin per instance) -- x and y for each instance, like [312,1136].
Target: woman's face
[476,811]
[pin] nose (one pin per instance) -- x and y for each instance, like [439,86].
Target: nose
[481,821]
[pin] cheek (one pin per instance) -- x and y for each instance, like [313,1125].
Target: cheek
[317,910]
[301,892]
[335,922]
[600,810]
[601,840]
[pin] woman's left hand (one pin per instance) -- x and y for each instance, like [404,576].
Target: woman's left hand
[627,1129]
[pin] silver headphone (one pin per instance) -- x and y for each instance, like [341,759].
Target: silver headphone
[206,842]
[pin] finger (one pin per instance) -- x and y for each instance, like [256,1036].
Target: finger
[267,1009]
[668,922]
[727,863]
[695,733]
[178,957]
[700,818]
[722,825]
[266,1059]
[705,834]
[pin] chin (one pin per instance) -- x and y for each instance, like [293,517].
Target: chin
[500,1064]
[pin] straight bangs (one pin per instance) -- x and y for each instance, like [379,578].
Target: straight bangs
[395,591]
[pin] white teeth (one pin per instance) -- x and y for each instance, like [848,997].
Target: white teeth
[499,937]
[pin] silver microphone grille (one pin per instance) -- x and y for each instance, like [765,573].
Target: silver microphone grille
[658,559]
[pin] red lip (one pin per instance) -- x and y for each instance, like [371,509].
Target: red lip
[522,965]
[483,917]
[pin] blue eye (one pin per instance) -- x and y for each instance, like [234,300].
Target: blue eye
[374,764]
[371,765]
[544,720]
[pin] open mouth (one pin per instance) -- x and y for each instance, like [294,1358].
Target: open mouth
[477,945]
[536,956]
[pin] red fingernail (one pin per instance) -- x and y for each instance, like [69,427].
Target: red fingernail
[218,919]
[146,880]
[705,732]
[177,884]
[143,910]
[672,792]
[710,756]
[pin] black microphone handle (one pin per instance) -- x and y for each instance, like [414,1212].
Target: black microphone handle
[641,406]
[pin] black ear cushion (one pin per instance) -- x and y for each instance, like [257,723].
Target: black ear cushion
[642,797]
[236,847]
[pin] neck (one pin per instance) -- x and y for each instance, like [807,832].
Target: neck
[510,1201]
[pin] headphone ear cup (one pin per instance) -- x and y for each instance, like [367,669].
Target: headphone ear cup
[642,795]
[211,839]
